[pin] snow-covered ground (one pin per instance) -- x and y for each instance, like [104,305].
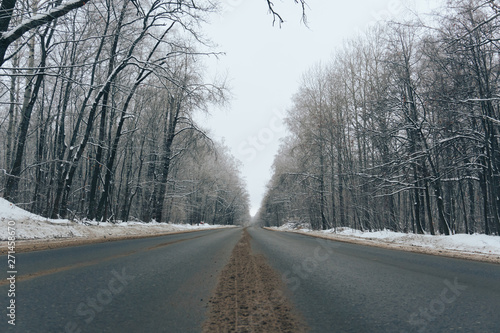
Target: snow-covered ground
[461,243]
[31,226]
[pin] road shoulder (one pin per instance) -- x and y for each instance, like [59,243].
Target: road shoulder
[493,258]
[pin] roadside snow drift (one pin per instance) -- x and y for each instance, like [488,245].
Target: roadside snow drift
[463,243]
[31,226]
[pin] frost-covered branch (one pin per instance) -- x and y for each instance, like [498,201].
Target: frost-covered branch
[8,37]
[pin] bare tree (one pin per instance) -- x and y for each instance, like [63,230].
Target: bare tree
[409,130]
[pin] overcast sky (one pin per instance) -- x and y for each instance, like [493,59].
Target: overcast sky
[264,65]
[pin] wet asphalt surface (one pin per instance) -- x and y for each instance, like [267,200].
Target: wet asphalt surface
[159,284]
[341,287]
[163,284]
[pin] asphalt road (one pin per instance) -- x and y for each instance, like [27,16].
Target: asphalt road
[163,284]
[340,287]
[159,284]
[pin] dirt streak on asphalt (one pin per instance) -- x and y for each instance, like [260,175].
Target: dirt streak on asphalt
[250,297]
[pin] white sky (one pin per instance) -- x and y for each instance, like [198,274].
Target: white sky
[265,64]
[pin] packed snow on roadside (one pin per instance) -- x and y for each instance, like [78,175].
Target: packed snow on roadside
[464,243]
[31,226]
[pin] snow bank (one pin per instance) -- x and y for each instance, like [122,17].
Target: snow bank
[31,226]
[463,243]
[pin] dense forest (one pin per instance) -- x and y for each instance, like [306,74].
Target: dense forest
[399,131]
[96,113]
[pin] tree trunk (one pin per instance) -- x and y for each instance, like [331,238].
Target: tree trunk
[99,161]
[30,97]
[171,119]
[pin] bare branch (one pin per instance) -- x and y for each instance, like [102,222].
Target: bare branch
[36,21]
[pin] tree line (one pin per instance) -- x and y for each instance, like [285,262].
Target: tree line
[399,131]
[96,115]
